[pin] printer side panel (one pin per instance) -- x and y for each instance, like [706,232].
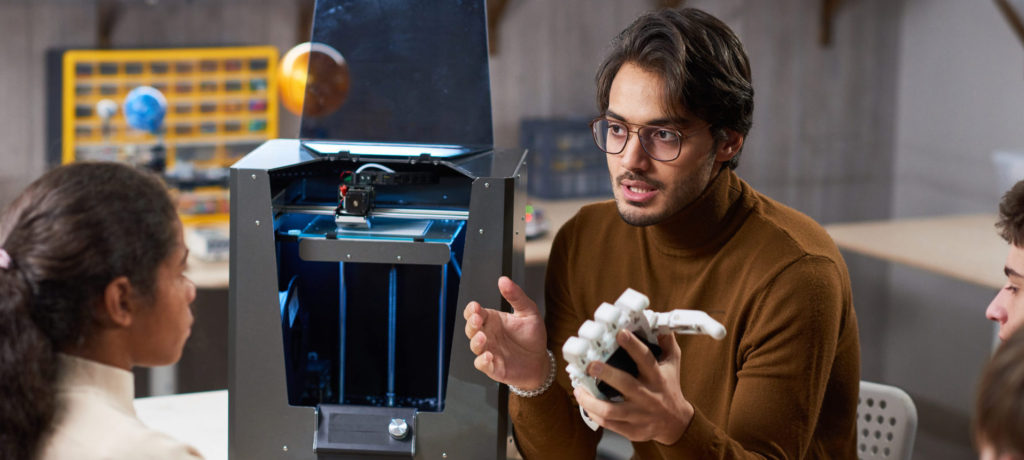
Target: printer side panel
[261,424]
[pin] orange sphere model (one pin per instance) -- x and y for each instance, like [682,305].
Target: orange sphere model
[313,79]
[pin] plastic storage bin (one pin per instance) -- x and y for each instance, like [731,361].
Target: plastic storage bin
[563,161]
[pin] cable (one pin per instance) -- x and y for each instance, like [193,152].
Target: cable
[374,165]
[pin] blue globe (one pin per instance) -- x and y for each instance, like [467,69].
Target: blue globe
[144,109]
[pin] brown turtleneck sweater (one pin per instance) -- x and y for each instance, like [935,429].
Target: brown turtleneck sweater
[784,381]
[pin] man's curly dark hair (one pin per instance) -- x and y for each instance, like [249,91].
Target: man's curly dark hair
[1011,215]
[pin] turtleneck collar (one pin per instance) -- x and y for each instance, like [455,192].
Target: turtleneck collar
[707,222]
[115,384]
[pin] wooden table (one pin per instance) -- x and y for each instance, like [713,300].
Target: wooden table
[964,247]
[556,212]
[198,419]
[207,275]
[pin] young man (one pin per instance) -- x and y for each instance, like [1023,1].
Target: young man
[676,104]
[998,426]
[1007,308]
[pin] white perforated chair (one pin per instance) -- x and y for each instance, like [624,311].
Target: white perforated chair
[886,423]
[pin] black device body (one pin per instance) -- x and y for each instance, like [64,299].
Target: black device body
[622,361]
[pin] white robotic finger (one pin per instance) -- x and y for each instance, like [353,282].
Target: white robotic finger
[608,314]
[595,340]
[689,322]
[586,419]
[632,300]
[576,352]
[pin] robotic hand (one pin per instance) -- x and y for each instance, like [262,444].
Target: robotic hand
[596,339]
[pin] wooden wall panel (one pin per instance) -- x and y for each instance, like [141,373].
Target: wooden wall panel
[824,117]
[549,52]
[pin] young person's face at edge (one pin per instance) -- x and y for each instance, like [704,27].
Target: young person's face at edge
[1007,308]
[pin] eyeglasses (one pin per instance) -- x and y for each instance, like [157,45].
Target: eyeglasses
[661,143]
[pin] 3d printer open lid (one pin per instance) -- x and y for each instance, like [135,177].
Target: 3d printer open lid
[390,72]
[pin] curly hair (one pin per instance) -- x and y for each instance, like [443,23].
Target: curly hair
[1011,215]
[69,234]
[704,67]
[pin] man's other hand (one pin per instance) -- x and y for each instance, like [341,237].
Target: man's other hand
[510,348]
[654,407]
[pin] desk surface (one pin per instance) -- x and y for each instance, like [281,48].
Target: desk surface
[964,247]
[556,212]
[207,275]
[214,275]
[198,419]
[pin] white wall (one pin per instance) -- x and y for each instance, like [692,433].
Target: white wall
[960,96]
[823,116]
[548,53]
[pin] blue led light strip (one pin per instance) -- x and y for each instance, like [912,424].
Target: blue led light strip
[342,305]
[442,320]
[392,316]
[455,263]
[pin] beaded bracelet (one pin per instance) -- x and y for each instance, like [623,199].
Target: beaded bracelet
[547,382]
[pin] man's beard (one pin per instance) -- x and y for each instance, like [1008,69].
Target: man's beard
[686,193]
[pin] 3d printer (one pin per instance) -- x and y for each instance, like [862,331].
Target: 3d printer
[354,248]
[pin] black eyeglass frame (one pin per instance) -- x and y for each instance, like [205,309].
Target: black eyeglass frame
[593,130]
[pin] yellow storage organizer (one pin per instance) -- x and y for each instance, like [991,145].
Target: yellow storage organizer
[221,103]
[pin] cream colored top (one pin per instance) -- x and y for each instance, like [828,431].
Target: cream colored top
[96,420]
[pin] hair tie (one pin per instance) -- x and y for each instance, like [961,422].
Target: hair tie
[5,259]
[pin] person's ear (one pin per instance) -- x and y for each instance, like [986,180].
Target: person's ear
[729,147]
[118,304]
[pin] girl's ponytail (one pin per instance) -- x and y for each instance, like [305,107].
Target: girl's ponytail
[28,369]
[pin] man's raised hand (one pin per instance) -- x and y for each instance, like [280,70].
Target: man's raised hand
[509,347]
